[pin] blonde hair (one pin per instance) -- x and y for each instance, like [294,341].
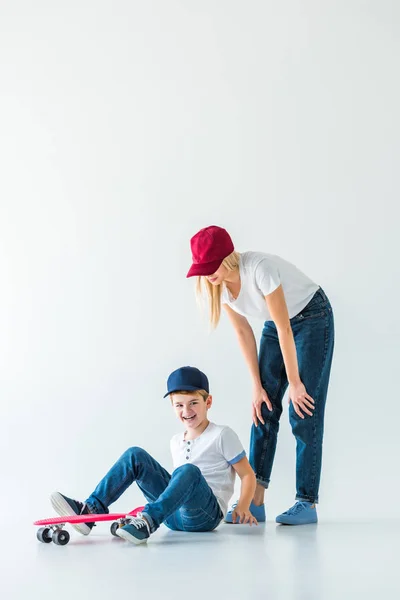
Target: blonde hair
[201,393]
[214,292]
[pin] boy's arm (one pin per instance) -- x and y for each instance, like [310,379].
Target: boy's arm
[247,489]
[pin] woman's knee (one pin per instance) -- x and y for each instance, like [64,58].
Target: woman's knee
[273,415]
[305,430]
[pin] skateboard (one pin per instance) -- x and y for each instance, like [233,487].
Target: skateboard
[52,530]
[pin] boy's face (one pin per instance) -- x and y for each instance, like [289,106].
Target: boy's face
[191,409]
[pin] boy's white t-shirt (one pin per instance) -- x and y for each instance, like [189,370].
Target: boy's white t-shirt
[260,275]
[213,452]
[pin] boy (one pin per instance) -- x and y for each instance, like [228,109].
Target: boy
[196,496]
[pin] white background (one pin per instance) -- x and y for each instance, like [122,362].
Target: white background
[125,127]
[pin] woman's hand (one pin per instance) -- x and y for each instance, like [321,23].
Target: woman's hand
[301,400]
[259,396]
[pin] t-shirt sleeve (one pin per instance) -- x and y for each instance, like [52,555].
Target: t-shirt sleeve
[267,277]
[231,447]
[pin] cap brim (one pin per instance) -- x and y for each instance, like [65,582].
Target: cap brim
[185,388]
[204,269]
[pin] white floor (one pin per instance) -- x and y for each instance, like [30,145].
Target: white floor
[328,561]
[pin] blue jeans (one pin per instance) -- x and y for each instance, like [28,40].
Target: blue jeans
[313,332]
[183,501]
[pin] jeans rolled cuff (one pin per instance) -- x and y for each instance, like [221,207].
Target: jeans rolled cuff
[152,525]
[263,482]
[96,508]
[307,499]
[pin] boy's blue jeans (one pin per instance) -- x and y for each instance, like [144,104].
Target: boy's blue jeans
[313,331]
[183,501]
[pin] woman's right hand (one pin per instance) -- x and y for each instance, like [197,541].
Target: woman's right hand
[259,397]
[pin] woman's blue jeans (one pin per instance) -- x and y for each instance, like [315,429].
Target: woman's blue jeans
[313,331]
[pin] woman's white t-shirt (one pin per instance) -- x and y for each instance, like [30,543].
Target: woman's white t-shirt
[260,275]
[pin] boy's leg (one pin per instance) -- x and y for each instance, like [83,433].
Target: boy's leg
[187,504]
[134,465]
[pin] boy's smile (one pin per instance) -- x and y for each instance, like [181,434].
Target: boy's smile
[191,409]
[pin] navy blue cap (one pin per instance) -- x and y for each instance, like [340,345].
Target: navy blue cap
[188,379]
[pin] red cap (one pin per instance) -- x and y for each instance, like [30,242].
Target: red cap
[209,248]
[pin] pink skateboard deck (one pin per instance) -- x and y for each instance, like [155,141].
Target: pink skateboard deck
[91,518]
[52,529]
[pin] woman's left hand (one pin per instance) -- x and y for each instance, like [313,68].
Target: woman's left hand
[301,400]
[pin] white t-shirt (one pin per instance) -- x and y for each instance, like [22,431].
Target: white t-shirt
[260,275]
[214,452]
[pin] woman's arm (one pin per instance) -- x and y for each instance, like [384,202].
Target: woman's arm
[277,307]
[248,346]
[247,342]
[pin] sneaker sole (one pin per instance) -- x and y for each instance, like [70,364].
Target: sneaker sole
[295,524]
[62,507]
[129,538]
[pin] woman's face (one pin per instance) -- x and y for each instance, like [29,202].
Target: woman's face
[219,276]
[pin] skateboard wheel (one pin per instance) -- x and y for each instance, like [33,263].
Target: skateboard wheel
[114,527]
[60,537]
[44,535]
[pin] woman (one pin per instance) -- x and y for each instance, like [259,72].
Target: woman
[296,351]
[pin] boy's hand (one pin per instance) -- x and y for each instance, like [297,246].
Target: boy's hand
[244,516]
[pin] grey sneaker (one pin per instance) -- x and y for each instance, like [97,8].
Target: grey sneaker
[137,531]
[67,507]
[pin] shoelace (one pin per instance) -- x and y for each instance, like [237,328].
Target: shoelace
[89,511]
[83,507]
[298,507]
[139,522]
